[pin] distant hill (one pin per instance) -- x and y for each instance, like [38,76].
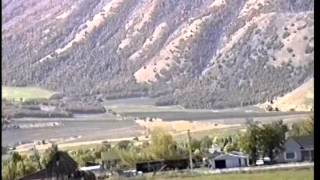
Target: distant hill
[196,53]
[301,99]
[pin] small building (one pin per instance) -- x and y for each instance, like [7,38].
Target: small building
[230,160]
[298,149]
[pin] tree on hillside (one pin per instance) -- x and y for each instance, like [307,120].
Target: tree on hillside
[17,158]
[222,142]
[303,128]
[272,138]
[233,144]
[128,157]
[195,144]
[18,166]
[36,157]
[206,143]
[125,144]
[250,140]
[47,156]
[162,145]
[29,167]
[9,171]
[308,126]
[263,140]
[106,146]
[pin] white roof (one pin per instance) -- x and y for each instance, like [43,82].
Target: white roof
[229,156]
[90,168]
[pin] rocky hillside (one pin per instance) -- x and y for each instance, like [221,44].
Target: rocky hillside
[301,99]
[197,53]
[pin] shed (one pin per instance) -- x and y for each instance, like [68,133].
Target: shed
[230,160]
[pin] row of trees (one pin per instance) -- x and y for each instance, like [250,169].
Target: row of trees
[259,140]
[267,140]
[19,165]
[264,140]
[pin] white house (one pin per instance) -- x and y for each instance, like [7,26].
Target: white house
[230,160]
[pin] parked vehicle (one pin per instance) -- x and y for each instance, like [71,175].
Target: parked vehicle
[264,161]
[259,162]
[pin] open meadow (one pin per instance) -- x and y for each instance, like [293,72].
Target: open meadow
[25,93]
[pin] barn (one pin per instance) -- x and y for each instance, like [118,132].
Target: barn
[231,160]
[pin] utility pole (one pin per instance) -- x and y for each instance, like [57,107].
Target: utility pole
[190,152]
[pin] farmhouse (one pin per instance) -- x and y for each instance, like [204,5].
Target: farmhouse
[297,149]
[230,160]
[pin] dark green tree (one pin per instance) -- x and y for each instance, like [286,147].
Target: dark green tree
[272,138]
[249,141]
[162,146]
[17,158]
[47,156]
[125,144]
[304,128]
[206,143]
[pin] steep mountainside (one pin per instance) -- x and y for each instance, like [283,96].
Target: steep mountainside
[301,99]
[197,53]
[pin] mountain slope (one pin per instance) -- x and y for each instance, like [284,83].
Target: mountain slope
[301,99]
[197,53]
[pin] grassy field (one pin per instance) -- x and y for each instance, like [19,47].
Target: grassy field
[26,93]
[302,174]
[223,132]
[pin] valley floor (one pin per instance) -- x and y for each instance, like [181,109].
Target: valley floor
[79,132]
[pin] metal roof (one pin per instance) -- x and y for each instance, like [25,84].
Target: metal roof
[229,156]
[90,168]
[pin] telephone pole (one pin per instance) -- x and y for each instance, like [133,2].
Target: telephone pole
[190,151]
